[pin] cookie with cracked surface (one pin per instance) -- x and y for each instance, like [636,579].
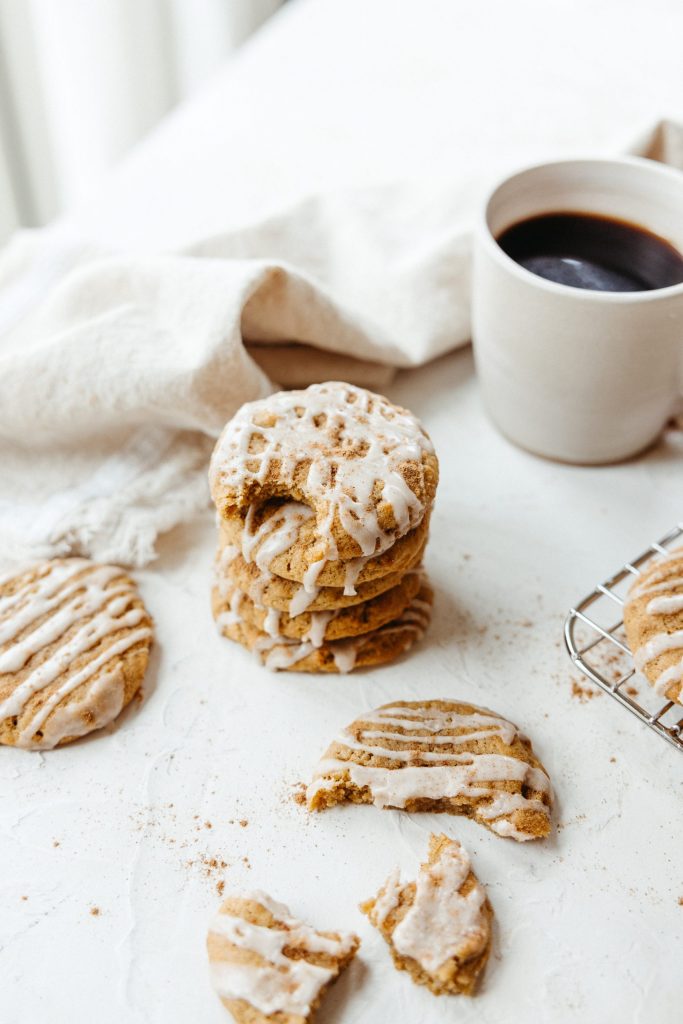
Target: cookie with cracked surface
[438,755]
[317,627]
[653,618]
[264,588]
[378,647]
[280,539]
[269,968]
[74,644]
[365,467]
[438,928]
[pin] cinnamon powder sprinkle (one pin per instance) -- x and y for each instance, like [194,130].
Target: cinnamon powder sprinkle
[583,694]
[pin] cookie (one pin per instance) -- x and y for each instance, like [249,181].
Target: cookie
[653,617]
[438,755]
[378,647]
[74,643]
[281,539]
[439,927]
[317,627]
[266,966]
[264,588]
[364,467]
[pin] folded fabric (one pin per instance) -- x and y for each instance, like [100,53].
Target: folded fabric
[117,372]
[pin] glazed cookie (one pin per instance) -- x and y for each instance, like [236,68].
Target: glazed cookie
[653,617]
[280,539]
[74,644]
[378,647]
[264,588]
[269,968]
[438,755]
[439,927]
[364,467]
[317,627]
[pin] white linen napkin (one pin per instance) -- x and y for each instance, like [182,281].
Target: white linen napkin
[117,372]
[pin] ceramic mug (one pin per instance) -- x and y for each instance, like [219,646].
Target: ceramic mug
[576,375]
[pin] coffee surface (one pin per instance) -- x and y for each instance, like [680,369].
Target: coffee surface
[585,250]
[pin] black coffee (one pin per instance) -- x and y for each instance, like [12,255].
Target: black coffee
[584,250]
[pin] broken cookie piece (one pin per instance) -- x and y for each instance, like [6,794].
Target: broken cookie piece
[438,928]
[266,966]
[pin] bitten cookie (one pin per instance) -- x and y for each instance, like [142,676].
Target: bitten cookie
[281,539]
[365,467]
[438,755]
[268,967]
[439,927]
[377,647]
[74,643]
[317,627]
[653,617]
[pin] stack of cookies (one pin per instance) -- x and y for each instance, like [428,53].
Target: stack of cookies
[323,500]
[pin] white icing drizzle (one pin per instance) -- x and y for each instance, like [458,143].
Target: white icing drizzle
[319,623]
[654,583]
[229,553]
[665,605]
[278,983]
[352,571]
[65,594]
[101,703]
[442,923]
[302,599]
[373,438]
[387,897]
[312,574]
[271,622]
[453,774]
[275,535]
[660,643]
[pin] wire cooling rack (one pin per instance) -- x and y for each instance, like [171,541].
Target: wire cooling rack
[597,645]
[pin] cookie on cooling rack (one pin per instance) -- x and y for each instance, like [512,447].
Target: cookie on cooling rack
[74,643]
[438,755]
[282,538]
[364,467]
[268,967]
[438,928]
[653,619]
[379,646]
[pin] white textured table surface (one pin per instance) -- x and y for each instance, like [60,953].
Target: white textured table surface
[589,923]
[137,822]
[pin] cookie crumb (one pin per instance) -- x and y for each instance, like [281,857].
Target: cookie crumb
[55,842]
[299,794]
[207,824]
[220,886]
[243,822]
[95,911]
[680,900]
[613,760]
[24,897]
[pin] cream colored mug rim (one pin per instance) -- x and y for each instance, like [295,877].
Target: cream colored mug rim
[580,294]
